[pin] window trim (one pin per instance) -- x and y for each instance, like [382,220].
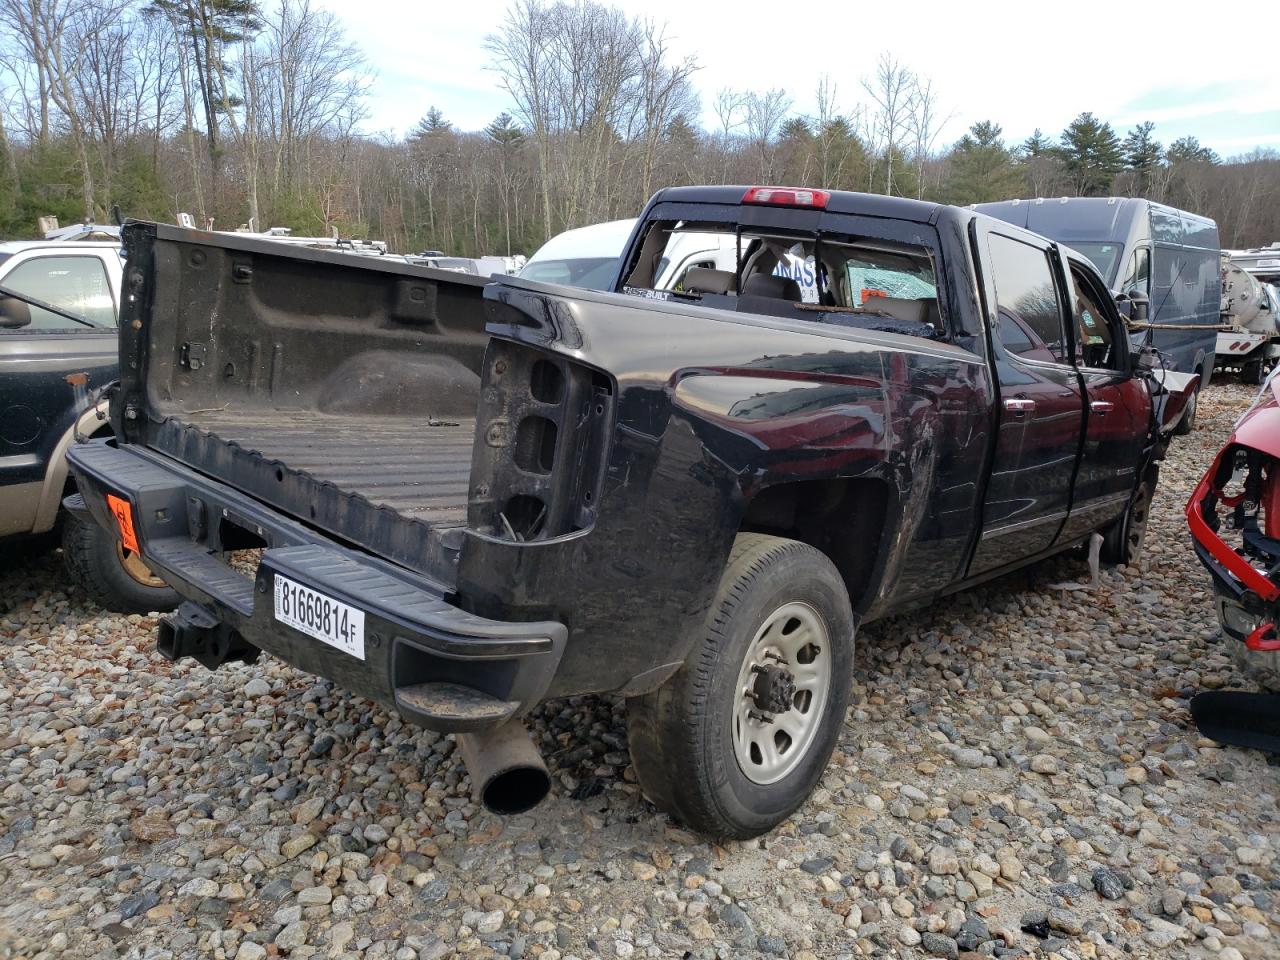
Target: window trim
[1050,253]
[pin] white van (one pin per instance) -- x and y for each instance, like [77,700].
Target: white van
[588,257]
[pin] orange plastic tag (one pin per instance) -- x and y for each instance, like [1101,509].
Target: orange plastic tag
[123,513]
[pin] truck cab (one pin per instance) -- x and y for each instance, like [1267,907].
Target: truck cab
[1143,249]
[55,362]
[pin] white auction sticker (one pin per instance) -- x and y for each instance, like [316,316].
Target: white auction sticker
[319,616]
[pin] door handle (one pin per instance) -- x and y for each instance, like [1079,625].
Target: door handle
[1101,407]
[1019,405]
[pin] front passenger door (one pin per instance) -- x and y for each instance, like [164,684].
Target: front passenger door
[1041,407]
[1117,413]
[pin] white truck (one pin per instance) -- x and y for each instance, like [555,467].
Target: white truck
[1251,309]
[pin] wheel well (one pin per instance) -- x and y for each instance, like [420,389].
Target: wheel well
[843,518]
[69,485]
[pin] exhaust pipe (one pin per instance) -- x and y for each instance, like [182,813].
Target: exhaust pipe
[507,772]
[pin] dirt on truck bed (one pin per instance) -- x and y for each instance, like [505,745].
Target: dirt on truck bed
[1019,767]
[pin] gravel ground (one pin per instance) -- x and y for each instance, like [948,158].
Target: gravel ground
[1018,775]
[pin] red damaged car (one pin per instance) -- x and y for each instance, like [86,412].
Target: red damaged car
[1242,488]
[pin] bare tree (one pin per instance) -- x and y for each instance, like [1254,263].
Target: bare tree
[891,90]
[838,147]
[923,126]
[522,58]
[765,113]
[665,93]
[26,29]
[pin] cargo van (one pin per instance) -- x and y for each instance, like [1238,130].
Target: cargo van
[1140,247]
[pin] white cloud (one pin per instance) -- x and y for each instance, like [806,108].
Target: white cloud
[1023,65]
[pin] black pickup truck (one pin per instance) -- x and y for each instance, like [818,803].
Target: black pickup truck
[469,498]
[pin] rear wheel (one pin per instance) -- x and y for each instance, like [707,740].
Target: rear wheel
[739,737]
[1254,372]
[117,578]
[1123,541]
[1188,422]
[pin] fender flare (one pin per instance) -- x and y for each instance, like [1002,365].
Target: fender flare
[55,477]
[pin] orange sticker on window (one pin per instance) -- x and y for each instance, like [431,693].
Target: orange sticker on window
[123,513]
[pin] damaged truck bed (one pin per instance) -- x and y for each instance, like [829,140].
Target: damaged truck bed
[468,499]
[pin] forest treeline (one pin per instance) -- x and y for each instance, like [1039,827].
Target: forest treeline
[253,111]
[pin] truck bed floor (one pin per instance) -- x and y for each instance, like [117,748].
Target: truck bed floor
[419,470]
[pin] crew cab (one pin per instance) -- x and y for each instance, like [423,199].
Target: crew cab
[463,499]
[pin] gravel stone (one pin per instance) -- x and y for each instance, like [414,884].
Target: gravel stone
[940,945]
[155,810]
[257,687]
[1108,884]
[315,896]
[1044,763]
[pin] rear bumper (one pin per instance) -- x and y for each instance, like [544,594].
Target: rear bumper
[432,662]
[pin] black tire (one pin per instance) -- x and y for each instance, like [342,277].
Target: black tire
[1254,372]
[1123,541]
[682,735]
[97,561]
[1188,422]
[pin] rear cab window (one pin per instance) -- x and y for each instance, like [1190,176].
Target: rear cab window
[851,277]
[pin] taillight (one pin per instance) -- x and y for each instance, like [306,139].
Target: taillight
[787,197]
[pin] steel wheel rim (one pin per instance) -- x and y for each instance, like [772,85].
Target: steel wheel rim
[136,567]
[769,745]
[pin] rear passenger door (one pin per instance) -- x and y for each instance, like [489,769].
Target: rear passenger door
[1041,407]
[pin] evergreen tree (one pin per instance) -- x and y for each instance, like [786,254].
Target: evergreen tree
[982,167]
[434,123]
[1188,150]
[503,131]
[682,130]
[795,130]
[1141,150]
[1091,155]
[1038,145]
[795,151]
[1143,154]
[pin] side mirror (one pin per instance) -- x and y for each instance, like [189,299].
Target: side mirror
[14,313]
[1139,308]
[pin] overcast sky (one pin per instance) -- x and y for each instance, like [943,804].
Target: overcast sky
[1175,63]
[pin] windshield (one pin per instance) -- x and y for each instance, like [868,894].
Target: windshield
[1104,256]
[594,273]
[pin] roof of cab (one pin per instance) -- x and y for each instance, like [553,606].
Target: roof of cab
[597,240]
[61,246]
[840,201]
